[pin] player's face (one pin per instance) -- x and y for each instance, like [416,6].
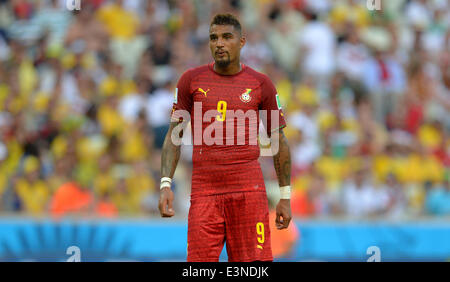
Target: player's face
[225,43]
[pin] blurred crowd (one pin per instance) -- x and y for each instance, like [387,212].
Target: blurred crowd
[86,95]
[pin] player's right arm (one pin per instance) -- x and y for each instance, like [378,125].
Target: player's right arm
[172,143]
[169,160]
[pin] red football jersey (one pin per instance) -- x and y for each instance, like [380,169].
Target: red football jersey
[225,116]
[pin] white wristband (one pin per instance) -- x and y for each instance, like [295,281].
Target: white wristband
[285,192]
[166,179]
[164,185]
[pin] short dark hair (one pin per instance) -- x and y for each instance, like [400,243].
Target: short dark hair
[227,19]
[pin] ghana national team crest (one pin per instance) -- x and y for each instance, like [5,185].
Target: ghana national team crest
[245,97]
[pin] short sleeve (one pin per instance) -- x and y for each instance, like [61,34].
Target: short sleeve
[272,114]
[182,100]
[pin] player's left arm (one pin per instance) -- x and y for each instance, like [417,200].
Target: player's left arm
[280,149]
[282,163]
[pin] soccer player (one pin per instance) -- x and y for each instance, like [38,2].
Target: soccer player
[228,197]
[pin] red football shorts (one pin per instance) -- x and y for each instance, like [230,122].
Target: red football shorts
[240,219]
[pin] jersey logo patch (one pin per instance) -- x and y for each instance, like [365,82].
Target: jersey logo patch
[245,97]
[203,91]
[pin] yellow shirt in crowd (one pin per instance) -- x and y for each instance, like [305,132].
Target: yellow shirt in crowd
[119,22]
[34,195]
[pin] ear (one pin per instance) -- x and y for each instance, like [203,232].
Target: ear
[243,40]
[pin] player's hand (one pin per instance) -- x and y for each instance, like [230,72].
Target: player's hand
[166,202]
[283,211]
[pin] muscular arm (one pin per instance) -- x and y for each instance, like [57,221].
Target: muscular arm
[282,160]
[282,164]
[169,160]
[170,153]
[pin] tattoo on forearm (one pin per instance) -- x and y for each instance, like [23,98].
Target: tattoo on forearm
[282,162]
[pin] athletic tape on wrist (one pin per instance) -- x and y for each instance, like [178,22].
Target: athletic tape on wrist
[164,184]
[285,192]
[166,179]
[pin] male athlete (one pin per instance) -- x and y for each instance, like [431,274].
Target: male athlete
[228,197]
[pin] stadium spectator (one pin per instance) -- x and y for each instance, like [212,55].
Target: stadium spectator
[360,198]
[398,203]
[32,190]
[120,22]
[87,30]
[384,76]
[54,20]
[158,107]
[352,55]
[84,91]
[317,42]
[70,198]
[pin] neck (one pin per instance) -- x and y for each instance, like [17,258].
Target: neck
[231,69]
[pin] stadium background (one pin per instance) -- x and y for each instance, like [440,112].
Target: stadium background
[85,98]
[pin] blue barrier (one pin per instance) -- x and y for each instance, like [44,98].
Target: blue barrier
[331,241]
[157,240]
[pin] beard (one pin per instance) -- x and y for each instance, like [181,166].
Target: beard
[223,62]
